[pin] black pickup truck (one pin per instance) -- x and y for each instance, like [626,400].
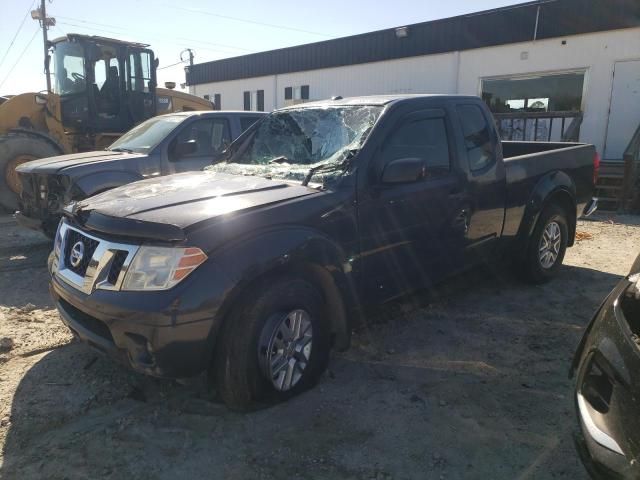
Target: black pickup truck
[256,267]
[177,142]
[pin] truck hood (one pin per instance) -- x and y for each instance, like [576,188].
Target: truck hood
[56,164]
[163,207]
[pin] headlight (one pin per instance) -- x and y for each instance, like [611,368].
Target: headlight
[160,268]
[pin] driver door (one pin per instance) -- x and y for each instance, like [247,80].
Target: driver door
[410,237]
[210,135]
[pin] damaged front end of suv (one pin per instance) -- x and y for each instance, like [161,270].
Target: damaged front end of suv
[606,367]
[42,200]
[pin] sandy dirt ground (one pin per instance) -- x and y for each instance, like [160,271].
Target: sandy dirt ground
[469,381]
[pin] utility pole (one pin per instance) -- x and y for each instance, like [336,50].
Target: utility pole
[191,55]
[187,69]
[45,22]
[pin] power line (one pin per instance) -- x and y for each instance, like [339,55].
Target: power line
[172,65]
[20,56]
[17,32]
[127,32]
[245,20]
[191,40]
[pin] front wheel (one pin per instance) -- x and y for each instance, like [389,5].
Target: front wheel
[547,246]
[273,346]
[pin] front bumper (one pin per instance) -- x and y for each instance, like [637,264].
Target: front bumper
[145,333]
[167,333]
[607,394]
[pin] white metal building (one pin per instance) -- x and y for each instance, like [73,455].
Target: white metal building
[550,70]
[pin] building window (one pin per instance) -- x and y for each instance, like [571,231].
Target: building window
[260,100]
[254,100]
[247,101]
[545,107]
[297,93]
[217,101]
[560,92]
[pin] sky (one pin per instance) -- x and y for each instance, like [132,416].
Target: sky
[212,29]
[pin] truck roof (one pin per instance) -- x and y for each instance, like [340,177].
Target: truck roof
[374,100]
[98,39]
[192,113]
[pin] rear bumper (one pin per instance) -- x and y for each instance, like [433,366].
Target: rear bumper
[590,207]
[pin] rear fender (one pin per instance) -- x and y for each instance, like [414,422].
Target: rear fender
[293,251]
[553,188]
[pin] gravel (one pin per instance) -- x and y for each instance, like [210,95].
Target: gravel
[466,381]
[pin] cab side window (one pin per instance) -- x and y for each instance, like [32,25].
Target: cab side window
[211,136]
[477,137]
[424,138]
[246,122]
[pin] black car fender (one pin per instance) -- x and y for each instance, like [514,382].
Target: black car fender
[616,292]
[292,250]
[94,183]
[554,187]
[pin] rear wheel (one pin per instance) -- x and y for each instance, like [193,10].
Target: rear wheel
[547,245]
[274,345]
[16,149]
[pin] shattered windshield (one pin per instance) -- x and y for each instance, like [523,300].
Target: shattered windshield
[290,143]
[144,137]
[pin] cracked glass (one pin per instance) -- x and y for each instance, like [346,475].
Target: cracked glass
[304,144]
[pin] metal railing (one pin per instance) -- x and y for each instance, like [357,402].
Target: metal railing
[630,187]
[539,126]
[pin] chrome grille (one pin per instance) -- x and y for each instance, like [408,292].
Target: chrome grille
[103,265]
[89,245]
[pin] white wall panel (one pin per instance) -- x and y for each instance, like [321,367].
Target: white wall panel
[459,72]
[597,53]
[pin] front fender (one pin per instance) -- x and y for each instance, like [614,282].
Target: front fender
[299,251]
[555,185]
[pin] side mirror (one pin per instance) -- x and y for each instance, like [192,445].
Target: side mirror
[185,148]
[404,170]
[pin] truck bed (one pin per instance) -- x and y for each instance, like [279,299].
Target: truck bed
[528,163]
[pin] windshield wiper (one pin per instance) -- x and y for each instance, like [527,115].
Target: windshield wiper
[329,167]
[121,149]
[280,159]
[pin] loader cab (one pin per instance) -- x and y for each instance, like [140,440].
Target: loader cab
[105,85]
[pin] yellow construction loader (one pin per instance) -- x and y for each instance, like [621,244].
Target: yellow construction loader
[102,88]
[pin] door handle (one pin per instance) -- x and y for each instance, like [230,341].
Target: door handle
[462,221]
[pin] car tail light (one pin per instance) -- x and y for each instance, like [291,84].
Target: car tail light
[596,167]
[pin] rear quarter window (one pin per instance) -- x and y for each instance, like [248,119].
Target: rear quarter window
[477,137]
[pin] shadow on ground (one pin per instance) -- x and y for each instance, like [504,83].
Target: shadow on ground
[469,381]
[23,252]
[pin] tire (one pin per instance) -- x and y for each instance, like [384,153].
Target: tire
[241,368]
[545,252]
[17,148]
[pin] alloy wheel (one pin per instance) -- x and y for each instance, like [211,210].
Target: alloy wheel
[549,248]
[285,348]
